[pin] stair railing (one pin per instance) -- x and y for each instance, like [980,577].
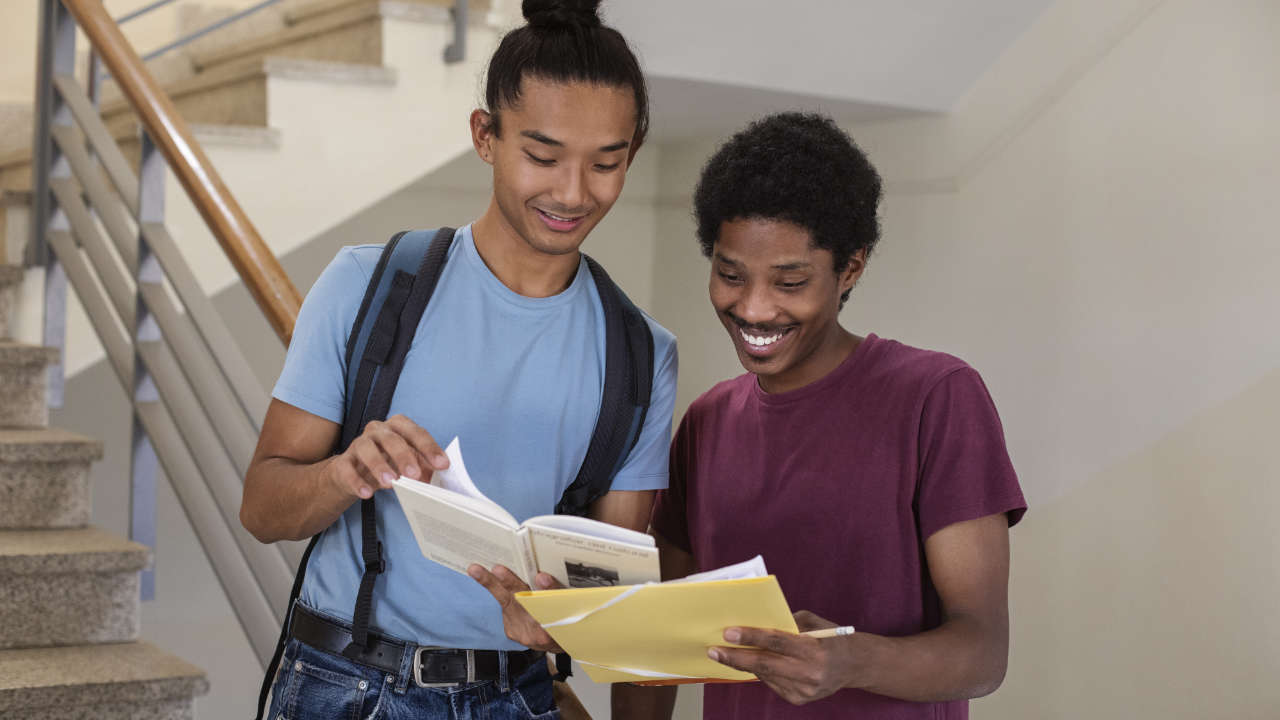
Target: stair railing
[197,406]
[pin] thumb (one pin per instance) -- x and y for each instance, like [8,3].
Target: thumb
[546,582]
[807,621]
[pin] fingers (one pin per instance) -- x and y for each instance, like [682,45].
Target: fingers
[783,643]
[546,582]
[496,588]
[421,441]
[350,477]
[509,580]
[755,662]
[385,451]
[807,621]
[519,625]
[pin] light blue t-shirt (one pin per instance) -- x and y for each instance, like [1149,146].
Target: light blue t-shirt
[517,379]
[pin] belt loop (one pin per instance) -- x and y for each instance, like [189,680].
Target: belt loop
[504,678]
[406,668]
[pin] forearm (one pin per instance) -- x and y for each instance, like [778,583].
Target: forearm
[959,660]
[288,500]
[634,702]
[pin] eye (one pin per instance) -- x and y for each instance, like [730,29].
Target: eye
[729,277]
[792,286]
[608,168]
[545,162]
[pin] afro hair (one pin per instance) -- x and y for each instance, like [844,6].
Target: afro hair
[795,167]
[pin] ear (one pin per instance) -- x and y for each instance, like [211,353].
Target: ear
[849,276]
[483,134]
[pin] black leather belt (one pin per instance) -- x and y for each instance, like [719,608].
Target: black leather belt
[432,667]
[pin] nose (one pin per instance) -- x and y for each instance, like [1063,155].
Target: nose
[755,306]
[571,189]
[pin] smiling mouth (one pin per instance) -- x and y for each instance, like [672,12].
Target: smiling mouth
[560,223]
[762,342]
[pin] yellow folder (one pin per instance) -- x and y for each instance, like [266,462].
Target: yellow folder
[657,631]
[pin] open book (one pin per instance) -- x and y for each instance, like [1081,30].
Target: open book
[456,525]
[658,633]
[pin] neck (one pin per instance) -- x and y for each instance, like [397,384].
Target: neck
[517,264]
[828,356]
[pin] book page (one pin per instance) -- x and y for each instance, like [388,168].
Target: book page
[455,478]
[457,531]
[593,528]
[580,560]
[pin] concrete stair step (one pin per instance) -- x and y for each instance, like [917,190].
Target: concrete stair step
[23,382]
[133,681]
[68,587]
[44,478]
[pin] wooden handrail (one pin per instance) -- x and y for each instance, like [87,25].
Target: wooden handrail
[250,256]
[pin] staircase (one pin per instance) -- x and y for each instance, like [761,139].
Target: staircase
[69,592]
[294,107]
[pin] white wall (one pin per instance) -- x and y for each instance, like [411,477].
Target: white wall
[1091,228]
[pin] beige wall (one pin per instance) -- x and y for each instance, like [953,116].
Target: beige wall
[1091,229]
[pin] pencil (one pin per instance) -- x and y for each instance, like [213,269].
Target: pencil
[830,632]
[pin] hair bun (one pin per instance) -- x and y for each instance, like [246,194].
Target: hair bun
[561,13]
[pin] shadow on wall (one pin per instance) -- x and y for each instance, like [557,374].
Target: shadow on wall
[1154,585]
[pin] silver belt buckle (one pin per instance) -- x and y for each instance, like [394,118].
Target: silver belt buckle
[417,669]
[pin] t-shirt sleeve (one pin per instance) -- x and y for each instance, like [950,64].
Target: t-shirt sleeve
[965,471]
[314,374]
[646,465]
[671,508]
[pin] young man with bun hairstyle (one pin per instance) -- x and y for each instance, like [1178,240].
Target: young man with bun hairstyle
[509,356]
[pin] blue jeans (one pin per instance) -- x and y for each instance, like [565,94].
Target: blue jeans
[315,685]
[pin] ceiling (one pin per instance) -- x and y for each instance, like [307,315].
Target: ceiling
[714,64]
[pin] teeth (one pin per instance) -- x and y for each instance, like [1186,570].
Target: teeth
[557,217]
[760,341]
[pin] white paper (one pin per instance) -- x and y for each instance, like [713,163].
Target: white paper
[752,568]
[456,478]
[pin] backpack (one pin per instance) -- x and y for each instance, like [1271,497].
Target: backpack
[396,297]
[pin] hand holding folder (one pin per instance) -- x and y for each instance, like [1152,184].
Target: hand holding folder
[660,631]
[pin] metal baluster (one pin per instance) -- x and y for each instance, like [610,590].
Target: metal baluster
[457,50]
[56,55]
[142,503]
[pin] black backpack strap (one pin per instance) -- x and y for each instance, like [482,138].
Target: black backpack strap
[381,363]
[624,402]
[403,253]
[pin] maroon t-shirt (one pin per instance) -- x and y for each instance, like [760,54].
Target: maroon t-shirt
[838,484]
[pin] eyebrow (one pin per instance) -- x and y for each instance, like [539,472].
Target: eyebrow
[539,137]
[797,265]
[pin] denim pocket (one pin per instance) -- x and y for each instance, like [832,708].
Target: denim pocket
[316,692]
[532,693]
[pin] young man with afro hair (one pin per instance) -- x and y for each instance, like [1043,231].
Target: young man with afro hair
[872,476]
